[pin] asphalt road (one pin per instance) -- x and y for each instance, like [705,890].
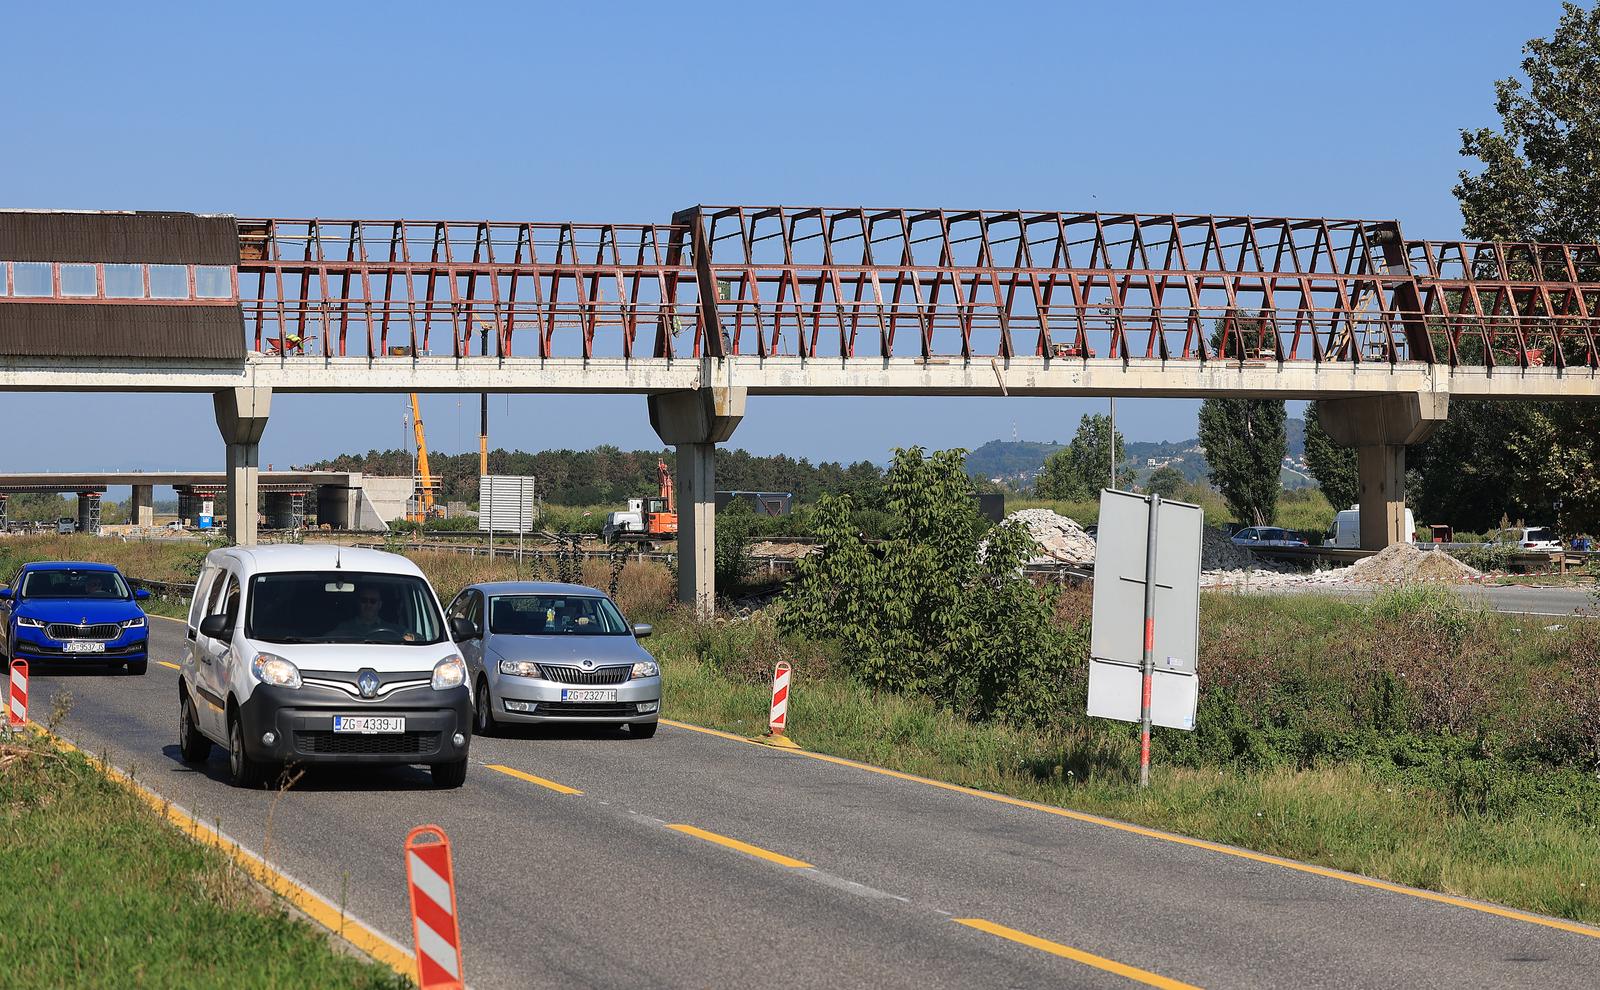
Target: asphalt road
[1511,599]
[596,889]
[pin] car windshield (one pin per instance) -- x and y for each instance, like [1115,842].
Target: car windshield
[73,583]
[342,607]
[555,615]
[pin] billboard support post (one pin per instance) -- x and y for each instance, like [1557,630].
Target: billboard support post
[1148,665]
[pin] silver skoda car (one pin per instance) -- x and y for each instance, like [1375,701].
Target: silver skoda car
[538,652]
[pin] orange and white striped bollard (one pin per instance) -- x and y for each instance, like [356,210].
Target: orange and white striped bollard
[431,882]
[17,711]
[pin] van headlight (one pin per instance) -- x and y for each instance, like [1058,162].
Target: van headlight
[449,673]
[646,668]
[275,670]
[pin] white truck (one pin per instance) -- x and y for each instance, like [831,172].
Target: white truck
[1347,528]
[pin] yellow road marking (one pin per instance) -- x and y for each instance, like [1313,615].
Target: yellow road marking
[744,847]
[1150,833]
[313,905]
[166,664]
[530,778]
[1076,955]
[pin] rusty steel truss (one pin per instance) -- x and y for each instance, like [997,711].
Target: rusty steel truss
[934,285]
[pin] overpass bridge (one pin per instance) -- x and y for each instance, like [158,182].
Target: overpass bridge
[728,301]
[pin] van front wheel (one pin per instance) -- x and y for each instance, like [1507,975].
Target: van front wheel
[449,775]
[242,770]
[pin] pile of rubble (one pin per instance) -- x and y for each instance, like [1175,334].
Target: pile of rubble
[1061,541]
[1404,563]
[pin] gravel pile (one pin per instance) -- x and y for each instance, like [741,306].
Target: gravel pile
[1403,562]
[1218,553]
[1060,539]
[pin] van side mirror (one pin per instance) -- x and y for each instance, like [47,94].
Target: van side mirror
[463,628]
[140,594]
[216,627]
[642,629]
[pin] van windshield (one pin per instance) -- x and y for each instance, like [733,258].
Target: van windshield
[342,607]
[555,615]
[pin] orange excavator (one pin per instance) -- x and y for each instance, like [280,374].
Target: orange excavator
[653,517]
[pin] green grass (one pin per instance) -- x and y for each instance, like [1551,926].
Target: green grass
[97,891]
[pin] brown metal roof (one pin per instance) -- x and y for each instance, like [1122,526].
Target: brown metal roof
[119,238]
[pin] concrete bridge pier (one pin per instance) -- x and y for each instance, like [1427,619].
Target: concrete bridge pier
[695,421]
[89,512]
[142,506]
[1380,428]
[242,418]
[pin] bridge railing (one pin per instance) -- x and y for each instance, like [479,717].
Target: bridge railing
[839,283]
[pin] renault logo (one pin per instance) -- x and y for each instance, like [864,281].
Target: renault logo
[588,664]
[367,681]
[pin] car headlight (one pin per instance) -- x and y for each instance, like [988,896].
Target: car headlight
[275,670]
[520,668]
[23,620]
[448,673]
[134,623]
[647,668]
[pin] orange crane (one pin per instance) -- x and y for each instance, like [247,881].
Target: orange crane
[426,508]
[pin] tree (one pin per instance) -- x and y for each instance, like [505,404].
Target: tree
[1333,466]
[940,608]
[1077,472]
[1166,481]
[731,557]
[1245,440]
[1540,181]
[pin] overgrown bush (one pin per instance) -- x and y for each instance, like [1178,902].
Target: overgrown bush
[933,609]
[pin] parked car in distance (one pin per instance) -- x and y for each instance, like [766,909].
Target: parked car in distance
[321,654]
[74,612]
[543,652]
[1537,538]
[1266,536]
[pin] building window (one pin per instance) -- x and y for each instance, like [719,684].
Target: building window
[78,280]
[31,278]
[124,281]
[212,282]
[169,282]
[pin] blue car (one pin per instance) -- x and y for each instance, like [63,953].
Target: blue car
[72,612]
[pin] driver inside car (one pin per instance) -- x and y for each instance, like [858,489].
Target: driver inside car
[368,619]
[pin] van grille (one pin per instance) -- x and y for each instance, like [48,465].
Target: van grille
[321,743]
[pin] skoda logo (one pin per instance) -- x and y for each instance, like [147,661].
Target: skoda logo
[588,664]
[367,681]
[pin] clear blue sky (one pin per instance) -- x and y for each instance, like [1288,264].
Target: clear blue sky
[574,111]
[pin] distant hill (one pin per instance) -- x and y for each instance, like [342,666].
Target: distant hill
[1019,461]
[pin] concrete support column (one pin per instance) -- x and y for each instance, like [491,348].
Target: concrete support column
[280,510]
[1380,428]
[142,506]
[88,516]
[694,422]
[242,418]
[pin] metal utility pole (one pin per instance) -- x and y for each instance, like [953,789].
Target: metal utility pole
[1112,442]
[483,418]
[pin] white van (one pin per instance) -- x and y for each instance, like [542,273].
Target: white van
[321,654]
[1347,528]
